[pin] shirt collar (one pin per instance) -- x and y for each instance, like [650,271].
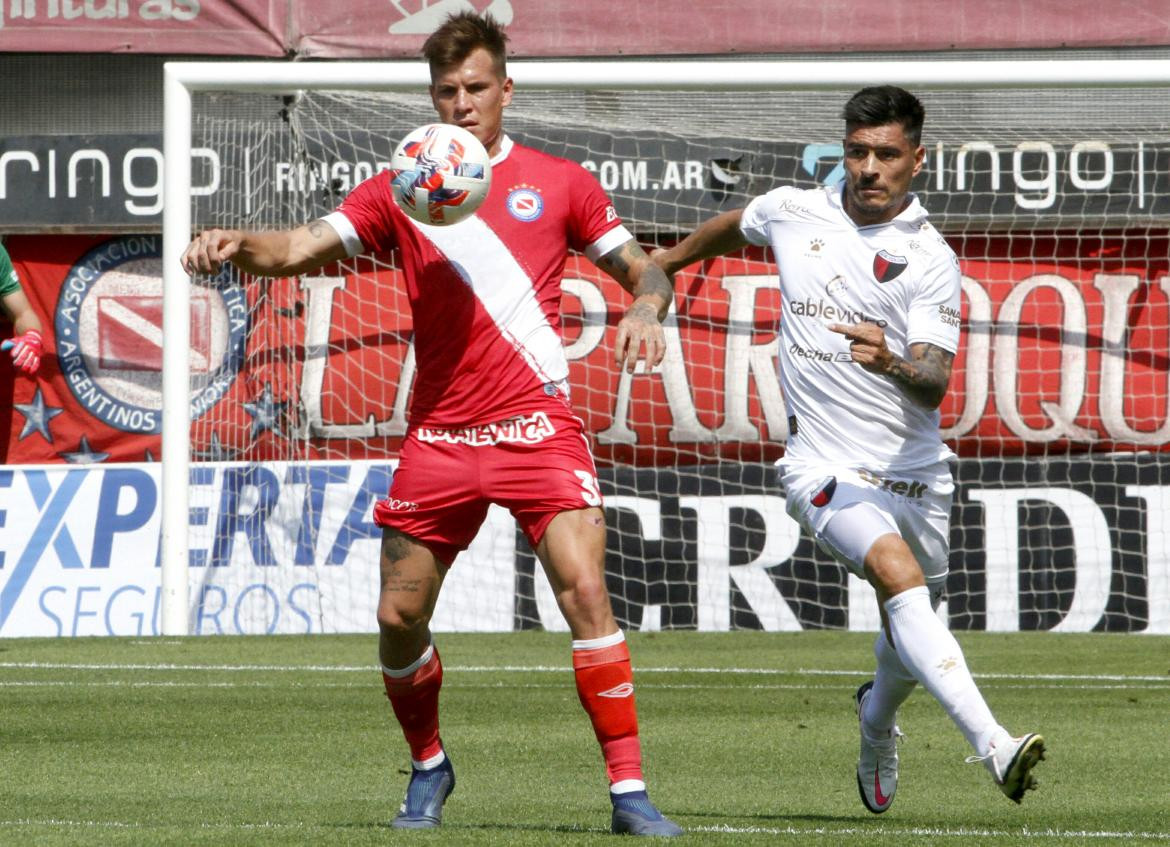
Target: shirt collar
[505,148]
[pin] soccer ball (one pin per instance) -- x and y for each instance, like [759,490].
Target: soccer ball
[440,174]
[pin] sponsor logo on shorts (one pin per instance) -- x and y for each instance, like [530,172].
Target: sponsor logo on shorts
[396,505]
[522,429]
[913,489]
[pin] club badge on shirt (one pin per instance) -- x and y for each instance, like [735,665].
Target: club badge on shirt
[887,266]
[524,203]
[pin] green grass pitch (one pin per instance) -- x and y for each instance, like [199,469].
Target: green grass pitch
[749,738]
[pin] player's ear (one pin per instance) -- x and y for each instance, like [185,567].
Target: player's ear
[506,98]
[919,159]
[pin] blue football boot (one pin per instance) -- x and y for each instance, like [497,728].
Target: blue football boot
[634,814]
[428,790]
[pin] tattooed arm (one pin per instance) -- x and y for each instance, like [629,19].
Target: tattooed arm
[284,252]
[923,376]
[653,293]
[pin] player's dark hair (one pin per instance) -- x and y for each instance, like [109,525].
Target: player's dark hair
[461,34]
[879,105]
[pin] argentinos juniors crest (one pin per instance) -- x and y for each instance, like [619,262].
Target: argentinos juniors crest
[109,334]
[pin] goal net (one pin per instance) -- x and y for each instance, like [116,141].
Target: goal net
[1054,198]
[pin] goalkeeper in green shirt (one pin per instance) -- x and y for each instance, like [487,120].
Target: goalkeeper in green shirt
[26,346]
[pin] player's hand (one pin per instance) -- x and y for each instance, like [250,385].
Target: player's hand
[639,327]
[867,345]
[26,350]
[210,249]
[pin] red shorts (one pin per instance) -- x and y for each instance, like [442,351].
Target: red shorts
[535,465]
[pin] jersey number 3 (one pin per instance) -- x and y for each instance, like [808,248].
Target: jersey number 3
[590,492]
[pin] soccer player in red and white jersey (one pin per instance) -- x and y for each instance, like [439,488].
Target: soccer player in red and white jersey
[869,328]
[490,418]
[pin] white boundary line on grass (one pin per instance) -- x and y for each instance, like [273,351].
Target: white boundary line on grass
[78,666]
[920,832]
[665,686]
[931,832]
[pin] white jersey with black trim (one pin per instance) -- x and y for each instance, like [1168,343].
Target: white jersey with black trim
[902,276]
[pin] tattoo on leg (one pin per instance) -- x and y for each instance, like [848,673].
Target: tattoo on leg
[395,548]
[394,582]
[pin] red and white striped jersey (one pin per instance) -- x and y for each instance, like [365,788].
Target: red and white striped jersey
[485,293]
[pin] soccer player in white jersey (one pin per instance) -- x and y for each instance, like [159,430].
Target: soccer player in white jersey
[490,418]
[868,331]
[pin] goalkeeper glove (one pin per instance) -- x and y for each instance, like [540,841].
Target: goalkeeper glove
[26,350]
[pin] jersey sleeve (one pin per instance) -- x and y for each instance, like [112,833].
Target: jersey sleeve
[761,212]
[594,225]
[365,220]
[9,281]
[934,316]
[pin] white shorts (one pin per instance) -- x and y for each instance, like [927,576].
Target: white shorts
[846,510]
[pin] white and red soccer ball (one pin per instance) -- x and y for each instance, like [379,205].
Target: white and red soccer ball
[440,174]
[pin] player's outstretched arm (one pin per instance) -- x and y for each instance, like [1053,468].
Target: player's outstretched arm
[641,326]
[283,252]
[923,376]
[21,312]
[716,236]
[26,347]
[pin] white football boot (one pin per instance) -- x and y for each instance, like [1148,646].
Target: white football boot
[877,766]
[1011,760]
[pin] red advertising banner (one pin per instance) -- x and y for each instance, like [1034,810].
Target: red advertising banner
[193,27]
[372,28]
[396,28]
[1064,350]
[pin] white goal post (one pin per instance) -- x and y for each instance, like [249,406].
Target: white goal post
[184,79]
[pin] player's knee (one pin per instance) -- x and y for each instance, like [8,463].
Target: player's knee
[585,598]
[398,622]
[591,593]
[891,566]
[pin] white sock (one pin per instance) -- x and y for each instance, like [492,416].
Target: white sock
[625,786]
[892,684]
[431,763]
[929,651]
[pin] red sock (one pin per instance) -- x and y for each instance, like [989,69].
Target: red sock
[415,698]
[605,684]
